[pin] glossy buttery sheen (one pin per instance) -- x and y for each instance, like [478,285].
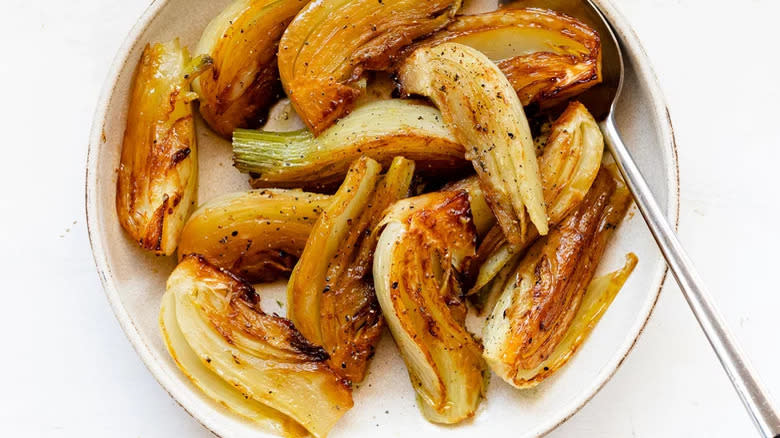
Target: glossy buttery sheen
[384,403]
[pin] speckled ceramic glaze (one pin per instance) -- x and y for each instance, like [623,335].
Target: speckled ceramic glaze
[134,281]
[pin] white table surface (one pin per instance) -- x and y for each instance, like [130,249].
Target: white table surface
[66,368]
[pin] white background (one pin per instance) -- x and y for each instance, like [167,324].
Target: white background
[66,368]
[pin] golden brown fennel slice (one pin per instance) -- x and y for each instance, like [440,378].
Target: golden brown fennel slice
[331,292]
[484,112]
[242,41]
[158,171]
[262,356]
[546,56]
[483,218]
[568,166]
[263,416]
[257,235]
[527,336]
[380,130]
[329,44]
[422,251]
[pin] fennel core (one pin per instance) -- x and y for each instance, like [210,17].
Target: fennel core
[379,130]
[261,152]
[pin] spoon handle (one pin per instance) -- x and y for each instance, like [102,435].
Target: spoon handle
[744,379]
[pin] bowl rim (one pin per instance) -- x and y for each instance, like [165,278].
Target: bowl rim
[644,70]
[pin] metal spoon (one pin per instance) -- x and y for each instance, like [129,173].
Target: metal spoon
[601,101]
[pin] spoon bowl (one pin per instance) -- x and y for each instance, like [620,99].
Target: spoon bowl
[601,98]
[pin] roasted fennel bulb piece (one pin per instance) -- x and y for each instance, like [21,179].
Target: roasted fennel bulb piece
[548,57]
[536,310]
[257,235]
[158,171]
[262,356]
[424,246]
[483,217]
[493,254]
[227,395]
[569,164]
[571,160]
[329,44]
[483,111]
[331,292]
[244,82]
[380,130]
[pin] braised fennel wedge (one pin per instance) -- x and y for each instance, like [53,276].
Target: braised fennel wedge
[380,130]
[262,356]
[257,234]
[424,246]
[331,291]
[569,164]
[244,82]
[485,114]
[158,171]
[528,334]
[329,44]
[546,56]
[227,395]
[483,218]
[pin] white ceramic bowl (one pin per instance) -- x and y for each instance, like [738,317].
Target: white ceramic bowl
[134,281]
